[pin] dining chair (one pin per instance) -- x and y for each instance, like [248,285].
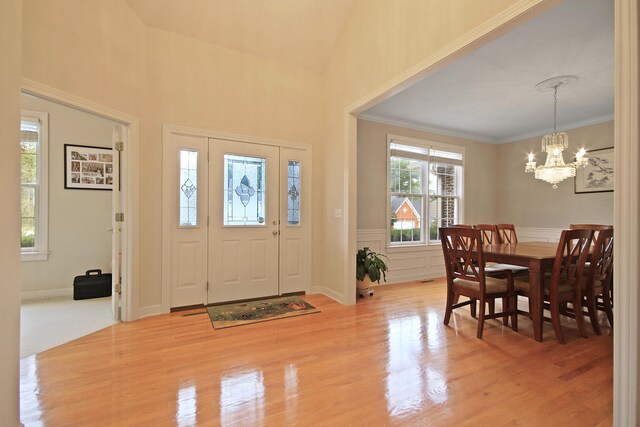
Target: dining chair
[490,236]
[507,233]
[565,284]
[598,279]
[596,229]
[489,233]
[464,261]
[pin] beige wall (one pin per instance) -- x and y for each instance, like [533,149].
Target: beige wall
[480,174]
[110,57]
[10,51]
[196,84]
[78,219]
[381,41]
[528,202]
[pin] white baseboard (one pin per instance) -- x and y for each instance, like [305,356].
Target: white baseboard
[46,294]
[150,310]
[328,292]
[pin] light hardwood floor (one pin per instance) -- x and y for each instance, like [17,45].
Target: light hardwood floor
[388,360]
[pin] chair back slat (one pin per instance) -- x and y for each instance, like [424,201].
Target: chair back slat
[462,249]
[596,228]
[571,256]
[489,233]
[602,256]
[507,233]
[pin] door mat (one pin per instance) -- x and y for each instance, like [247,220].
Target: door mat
[244,313]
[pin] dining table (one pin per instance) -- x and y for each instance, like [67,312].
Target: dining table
[539,258]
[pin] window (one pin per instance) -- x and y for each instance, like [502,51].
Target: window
[293,194]
[425,190]
[34,185]
[244,190]
[188,188]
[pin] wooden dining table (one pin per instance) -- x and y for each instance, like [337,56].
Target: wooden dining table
[538,257]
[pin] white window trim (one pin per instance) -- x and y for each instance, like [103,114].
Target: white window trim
[422,143]
[41,252]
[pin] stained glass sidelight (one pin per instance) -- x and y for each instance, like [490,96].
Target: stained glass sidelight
[244,190]
[293,194]
[188,188]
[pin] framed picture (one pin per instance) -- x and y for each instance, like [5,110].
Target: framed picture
[599,175]
[88,168]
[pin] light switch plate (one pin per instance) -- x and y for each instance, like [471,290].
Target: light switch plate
[337,213]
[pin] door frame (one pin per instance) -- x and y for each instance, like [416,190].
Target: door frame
[167,131]
[129,181]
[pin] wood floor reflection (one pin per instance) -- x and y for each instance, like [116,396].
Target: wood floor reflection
[388,360]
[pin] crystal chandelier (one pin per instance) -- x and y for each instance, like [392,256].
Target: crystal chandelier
[555,169]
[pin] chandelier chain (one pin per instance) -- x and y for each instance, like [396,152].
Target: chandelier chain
[555,109]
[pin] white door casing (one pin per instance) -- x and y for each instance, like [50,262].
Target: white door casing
[189,231]
[294,219]
[116,226]
[243,253]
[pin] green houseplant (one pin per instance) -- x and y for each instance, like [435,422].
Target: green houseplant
[370,267]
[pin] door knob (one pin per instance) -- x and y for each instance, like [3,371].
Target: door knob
[275,232]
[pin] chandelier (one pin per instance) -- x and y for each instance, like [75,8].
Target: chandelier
[555,169]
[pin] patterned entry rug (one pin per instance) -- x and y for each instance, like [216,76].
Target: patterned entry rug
[244,313]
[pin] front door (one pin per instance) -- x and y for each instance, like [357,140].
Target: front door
[244,221]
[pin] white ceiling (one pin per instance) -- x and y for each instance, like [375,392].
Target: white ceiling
[299,32]
[490,94]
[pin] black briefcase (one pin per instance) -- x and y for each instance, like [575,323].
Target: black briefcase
[93,284]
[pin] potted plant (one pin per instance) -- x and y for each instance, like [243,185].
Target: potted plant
[369,268]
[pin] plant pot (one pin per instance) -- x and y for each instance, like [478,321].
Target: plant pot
[363,285]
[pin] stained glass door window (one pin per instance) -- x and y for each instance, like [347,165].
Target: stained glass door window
[293,193]
[244,190]
[188,188]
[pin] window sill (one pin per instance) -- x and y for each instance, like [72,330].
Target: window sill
[413,248]
[34,256]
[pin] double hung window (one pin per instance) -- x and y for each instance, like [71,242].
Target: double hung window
[425,183]
[33,185]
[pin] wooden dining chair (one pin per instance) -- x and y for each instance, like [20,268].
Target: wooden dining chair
[566,281]
[464,261]
[490,236]
[507,233]
[489,233]
[598,279]
[600,303]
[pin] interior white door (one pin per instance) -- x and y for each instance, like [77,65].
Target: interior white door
[295,198]
[116,226]
[244,216]
[188,188]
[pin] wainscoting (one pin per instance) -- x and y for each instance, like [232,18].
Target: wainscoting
[426,262]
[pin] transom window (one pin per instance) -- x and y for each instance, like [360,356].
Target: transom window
[425,190]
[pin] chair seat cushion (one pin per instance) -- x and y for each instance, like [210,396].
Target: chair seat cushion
[523,285]
[513,268]
[493,285]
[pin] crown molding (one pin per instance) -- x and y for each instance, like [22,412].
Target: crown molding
[426,128]
[570,126]
[473,137]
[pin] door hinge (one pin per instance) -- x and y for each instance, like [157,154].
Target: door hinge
[119,217]
[119,146]
[207,286]
[118,288]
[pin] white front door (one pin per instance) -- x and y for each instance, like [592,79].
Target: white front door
[244,184]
